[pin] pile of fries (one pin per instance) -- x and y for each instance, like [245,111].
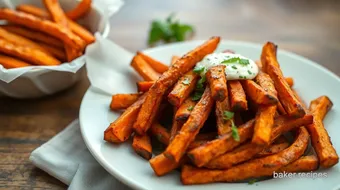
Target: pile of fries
[221,131]
[34,36]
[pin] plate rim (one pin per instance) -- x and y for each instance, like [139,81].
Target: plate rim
[132,183]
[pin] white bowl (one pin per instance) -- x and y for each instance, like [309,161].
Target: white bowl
[40,82]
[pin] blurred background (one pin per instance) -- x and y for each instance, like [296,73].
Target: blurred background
[310,28]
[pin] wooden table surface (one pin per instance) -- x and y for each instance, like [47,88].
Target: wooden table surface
[307,27]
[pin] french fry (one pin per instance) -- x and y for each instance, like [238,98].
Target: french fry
[183,88]
[174,59]
[281,109]
[256,93]
[238,101]
[123,101]
[54,51]
[160,133]
[144,86]
[60,18]
[75,27]
[11,63]
[120,130]
[156,65]
[142,146]
[264,118]
[162,165]
[304,106]
[17,39]
[144,69]
[321,142]
[183,112]
[45,26]
[223,125]
[203,154]
[286,96]
[290,81]
[34,35]
[254,168]
[80,11]
[245,152]
[303,164]
[176,125]
[167,80]
[191,127]
[218,82]
[34,56]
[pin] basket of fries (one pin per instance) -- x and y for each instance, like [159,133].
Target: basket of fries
[42,43]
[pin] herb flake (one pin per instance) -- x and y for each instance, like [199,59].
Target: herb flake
[234,131]
[186,81]
[238,60]
[227,115]
[190,108]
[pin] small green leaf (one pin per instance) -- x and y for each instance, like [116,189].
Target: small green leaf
[190,108]
[244,61]
[199,69]
[249,72]
[234,67]
[234,131]
[197,95]
[186,81]
[228,115]
[200,83]
[252,181]
[232,60]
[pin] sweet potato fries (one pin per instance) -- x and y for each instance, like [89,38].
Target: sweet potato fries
[216,130]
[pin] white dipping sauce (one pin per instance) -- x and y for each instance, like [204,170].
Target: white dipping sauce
[237,66]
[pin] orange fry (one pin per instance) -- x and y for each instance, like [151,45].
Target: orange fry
[144,86]
[218,82]
[156,65]
[56,52]
[142,146]
[223,125]
[238,101]
[144,69]
[10,62]
[123,101]
[34,56]
[80,11]
[183,112]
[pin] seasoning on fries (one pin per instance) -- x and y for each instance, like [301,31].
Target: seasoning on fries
[231,143]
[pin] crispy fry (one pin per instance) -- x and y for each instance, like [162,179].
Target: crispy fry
[144,86]
[162,165]
[290,103]
[10,62]
[17,39]
[238,101]
[183,112]
[190,129]
[160,132]
[264,119]
[34,35]
[218,82]
[256,93]
[167,80]
[174,59]
[45,26]
[60,18]
[80,11]
[320,139]
[290,81]
[203,154]
[156,65]
[254,168]
[304,106]
[281,109]
[176,125]
[56,52]
[123,101]
[75,27]
[120,130]
[144,69]
[34,56]
[272,149]
[142,146]
[303,164]
[183,88]
[223,125]
[243,153]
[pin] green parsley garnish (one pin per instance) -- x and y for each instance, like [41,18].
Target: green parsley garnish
[228,115]
[169,30]
[186,81]
[249,72]
[190,108]
[201,82]
[234,67]
[236,60]
[199,89]
[234,131]
[252,181]
[197,95]
[199,69]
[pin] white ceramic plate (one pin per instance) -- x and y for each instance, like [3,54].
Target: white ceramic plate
[311,81]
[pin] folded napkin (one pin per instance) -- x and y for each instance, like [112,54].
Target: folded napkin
[66,158]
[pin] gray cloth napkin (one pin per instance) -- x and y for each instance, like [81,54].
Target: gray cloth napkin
[66,158]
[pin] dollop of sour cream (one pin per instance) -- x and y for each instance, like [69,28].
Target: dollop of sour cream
[237,66]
